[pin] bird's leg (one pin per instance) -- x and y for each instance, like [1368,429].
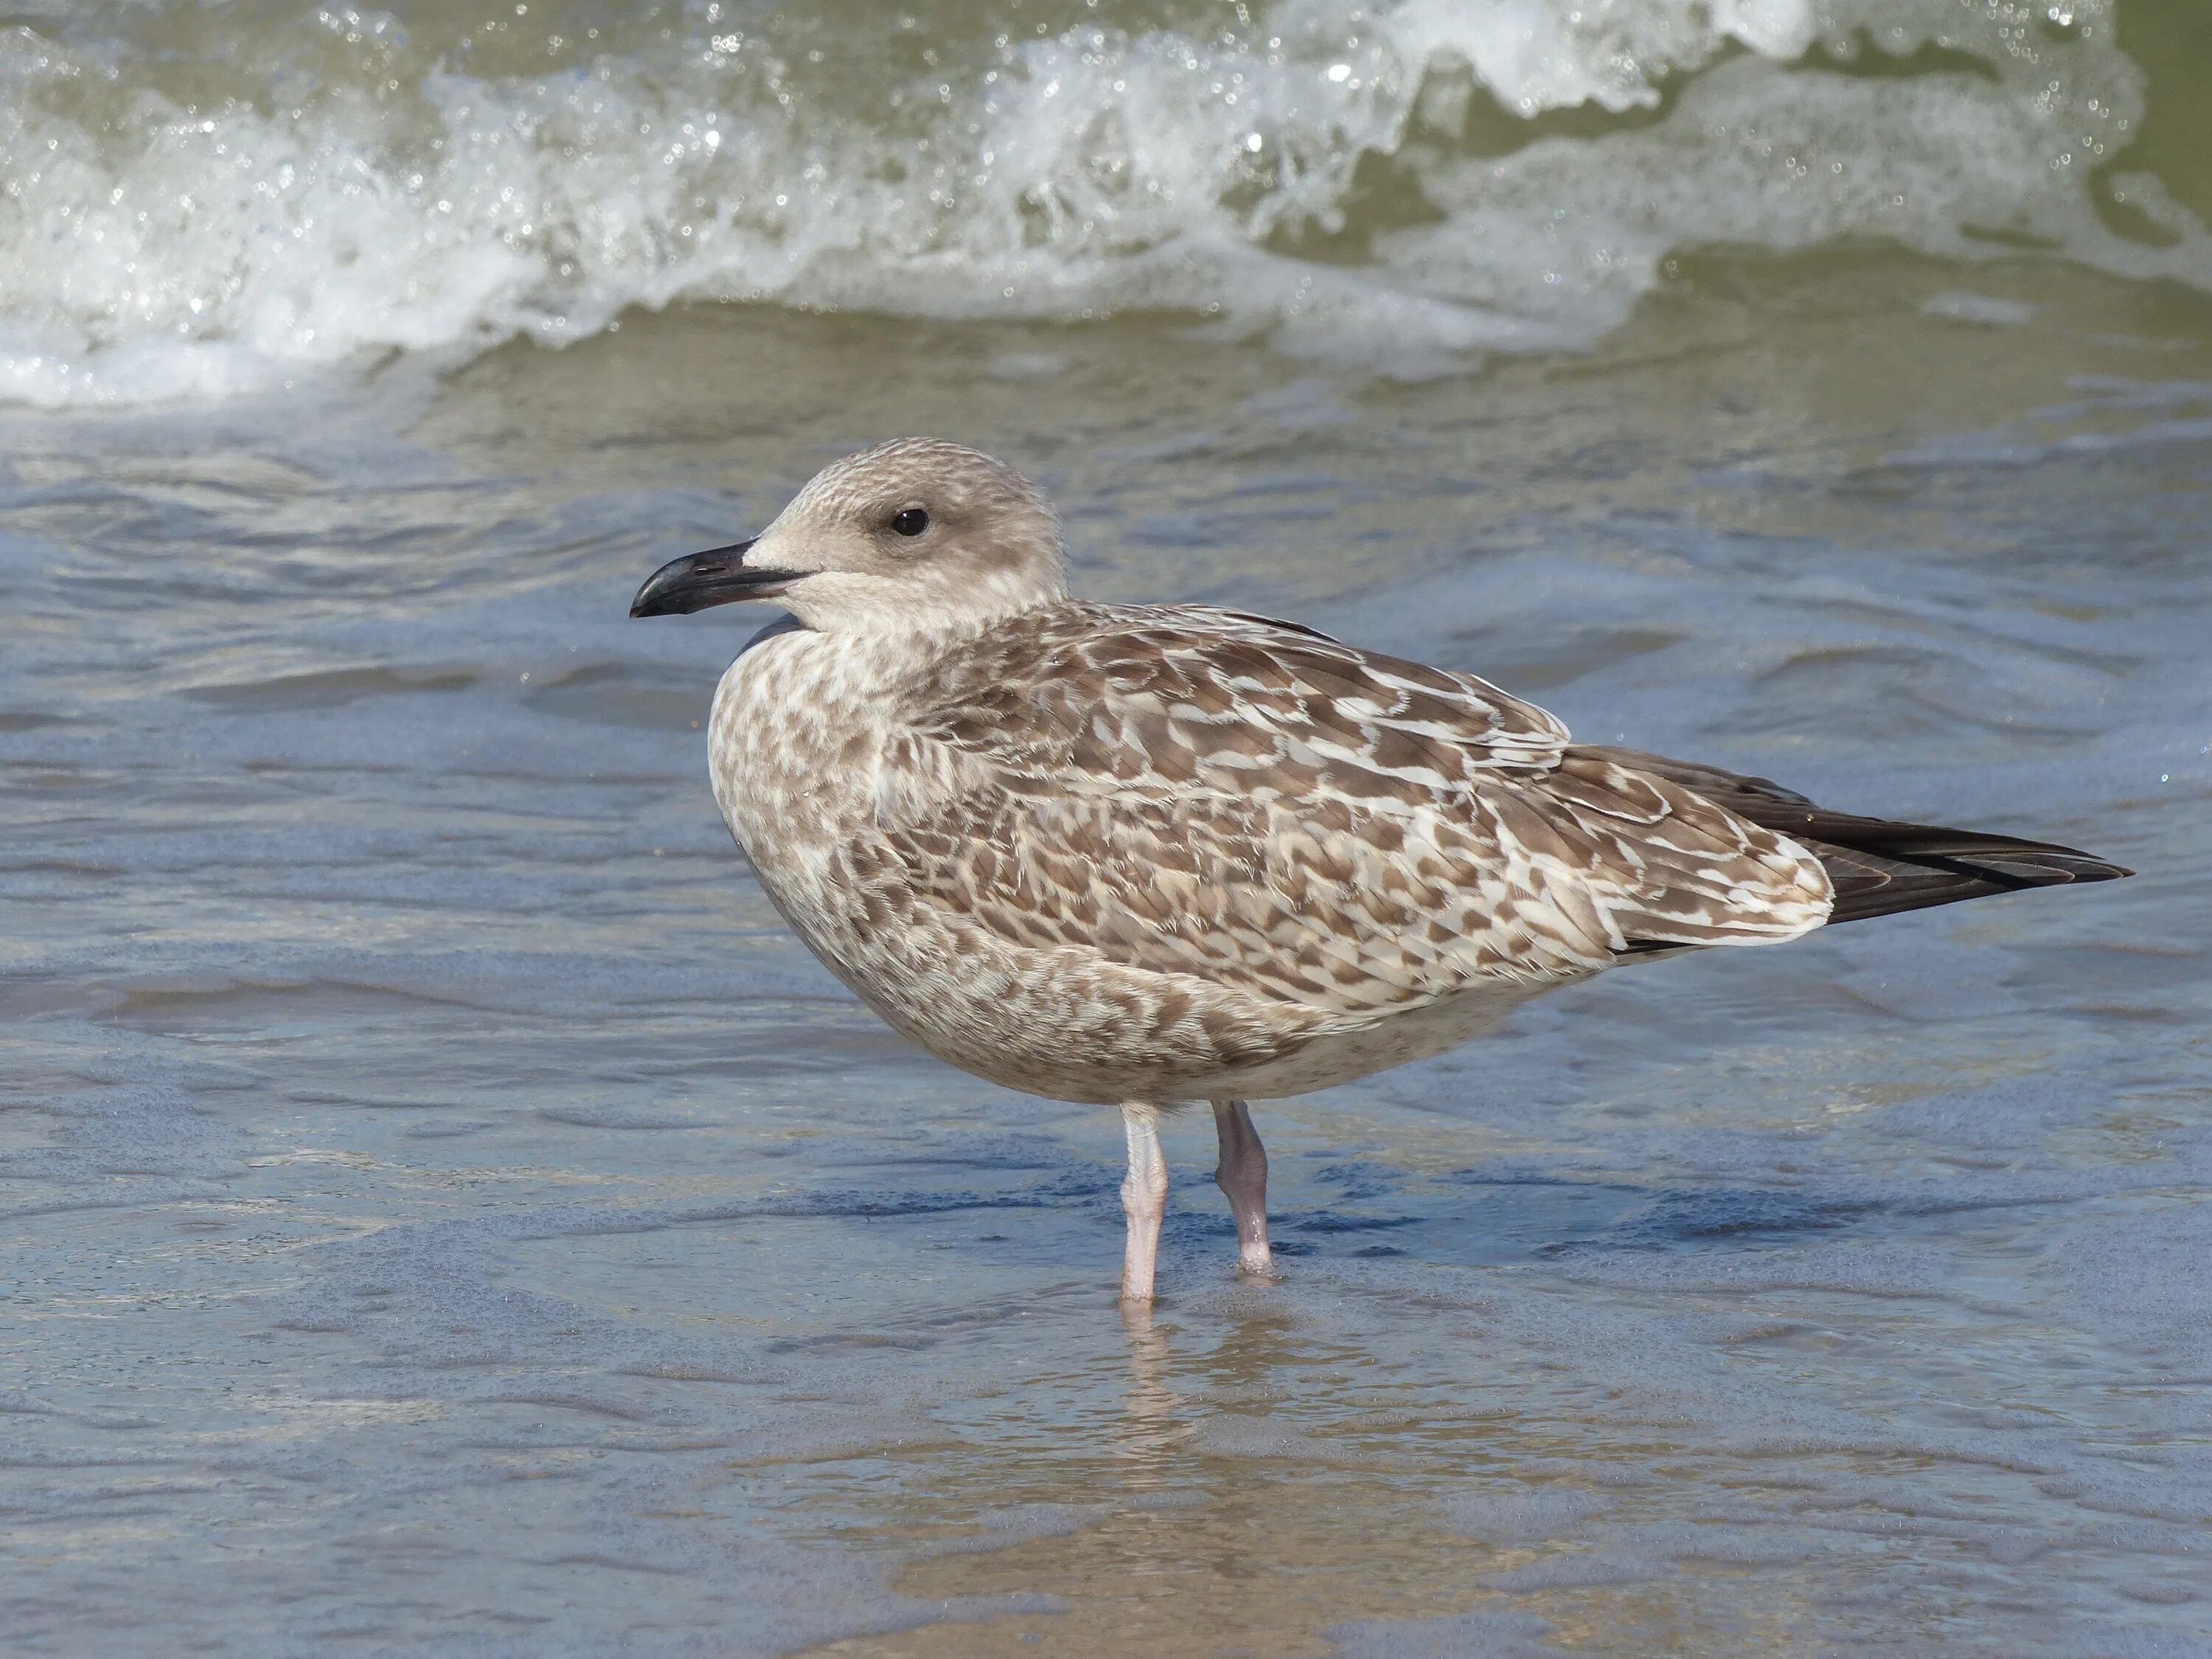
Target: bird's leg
[1243,1176]
[1144,1200]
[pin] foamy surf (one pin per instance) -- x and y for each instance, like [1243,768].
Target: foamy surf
[200,201]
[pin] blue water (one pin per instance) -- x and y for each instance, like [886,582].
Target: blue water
[446,1213]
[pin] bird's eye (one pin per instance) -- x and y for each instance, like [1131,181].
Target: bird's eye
[911,522]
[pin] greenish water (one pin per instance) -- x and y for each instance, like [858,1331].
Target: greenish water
[203,198]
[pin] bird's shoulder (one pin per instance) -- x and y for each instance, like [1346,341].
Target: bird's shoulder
[1192,696]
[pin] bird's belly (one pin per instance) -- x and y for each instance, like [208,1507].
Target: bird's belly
[1355,1050]
[1073,1026]
[1045,1024]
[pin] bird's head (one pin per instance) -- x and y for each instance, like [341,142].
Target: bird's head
[914,533]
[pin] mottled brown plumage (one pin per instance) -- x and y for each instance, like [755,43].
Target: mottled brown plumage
[1163,853]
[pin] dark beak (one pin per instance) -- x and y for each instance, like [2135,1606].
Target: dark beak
[718,577]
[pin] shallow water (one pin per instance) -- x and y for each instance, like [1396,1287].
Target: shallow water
[446,1212]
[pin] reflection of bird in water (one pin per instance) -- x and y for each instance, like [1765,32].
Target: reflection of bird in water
[1155,855]
[1153,1427]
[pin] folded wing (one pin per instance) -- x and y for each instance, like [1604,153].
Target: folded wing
[1197,791]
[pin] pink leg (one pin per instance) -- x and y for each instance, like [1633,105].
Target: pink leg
[1144,1200]
[1243,1175]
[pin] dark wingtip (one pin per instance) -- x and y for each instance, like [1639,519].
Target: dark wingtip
[1880,873]
[2043,866]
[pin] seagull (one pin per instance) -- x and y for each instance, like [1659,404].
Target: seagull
[1152,855]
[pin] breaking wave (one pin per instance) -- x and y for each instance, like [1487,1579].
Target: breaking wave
[207,197]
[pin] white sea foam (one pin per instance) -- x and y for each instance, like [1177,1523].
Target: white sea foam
[365,182]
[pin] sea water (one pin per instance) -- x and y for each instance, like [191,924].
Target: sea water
[444,1211]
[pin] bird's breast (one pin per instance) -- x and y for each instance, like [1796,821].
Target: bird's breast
[794,747]
[810,757]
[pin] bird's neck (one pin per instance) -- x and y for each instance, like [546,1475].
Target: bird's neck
[930,610]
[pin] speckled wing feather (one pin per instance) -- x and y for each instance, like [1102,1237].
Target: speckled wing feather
[1197,791]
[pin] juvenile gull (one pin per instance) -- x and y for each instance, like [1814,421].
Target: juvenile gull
[1149,856]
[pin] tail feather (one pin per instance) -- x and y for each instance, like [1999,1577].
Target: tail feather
[1880,867]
